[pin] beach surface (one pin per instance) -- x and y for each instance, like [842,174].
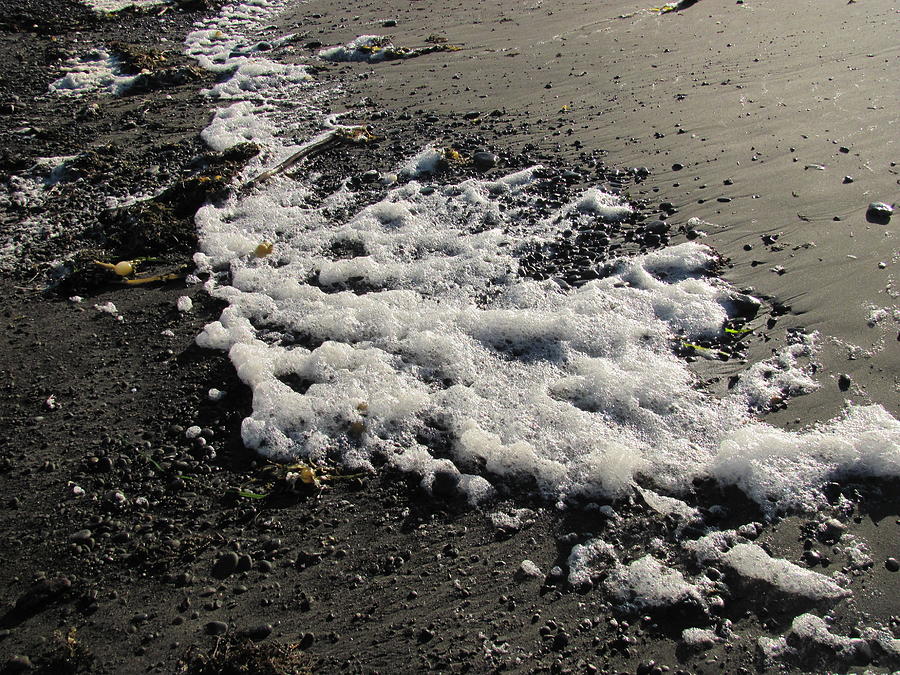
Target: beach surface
[142,535]
[766,107]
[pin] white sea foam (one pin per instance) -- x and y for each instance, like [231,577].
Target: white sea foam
[27,193]
[699,638]
[811,638]
[426,350]
[364,48]
[648,584]
[97,71]
[117,5]
[753,565]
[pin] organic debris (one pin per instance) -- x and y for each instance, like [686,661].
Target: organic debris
[126,268]
[155,69]
[298,480]
[165,223]
[357,134]
[263,249]
[674,6]
[375,48]
[69,655]
[233,657]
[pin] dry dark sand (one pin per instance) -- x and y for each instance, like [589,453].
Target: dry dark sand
[371,576]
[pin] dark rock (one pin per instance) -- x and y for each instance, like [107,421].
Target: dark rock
[484,160]
[561,641]
[18,664]
[745,306]
[42,593]
[225,565]
[892,565]
[257,633]
[445,484]
[216,628]
[844,382]
[879,212]
[677,167]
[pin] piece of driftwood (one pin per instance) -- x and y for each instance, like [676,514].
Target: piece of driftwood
[317,145]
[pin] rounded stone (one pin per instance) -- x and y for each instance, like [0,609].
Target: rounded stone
[216,628]
[226,564]
[484,160]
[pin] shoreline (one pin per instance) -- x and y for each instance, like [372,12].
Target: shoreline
[752,131]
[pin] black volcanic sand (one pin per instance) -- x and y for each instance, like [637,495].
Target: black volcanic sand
[129,548]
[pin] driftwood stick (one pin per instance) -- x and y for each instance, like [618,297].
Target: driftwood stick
[332,138]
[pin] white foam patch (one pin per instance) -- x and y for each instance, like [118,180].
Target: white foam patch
[753,565]
[97,71]
[255,77]
[648,584]
[587,559]
[424,348]
[239,123]
[667,505]
[29,192]
[781,469]
[369,48]
[424,163]
[599,203]
[771,381]
[810,637]
[699,638]
[105,6]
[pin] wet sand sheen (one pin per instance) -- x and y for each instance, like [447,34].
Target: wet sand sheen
[765,106]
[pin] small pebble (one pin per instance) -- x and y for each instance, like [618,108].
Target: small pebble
[257,633]
[484,160]
[880,210]
[225,565]
[18,664]
[216,628]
